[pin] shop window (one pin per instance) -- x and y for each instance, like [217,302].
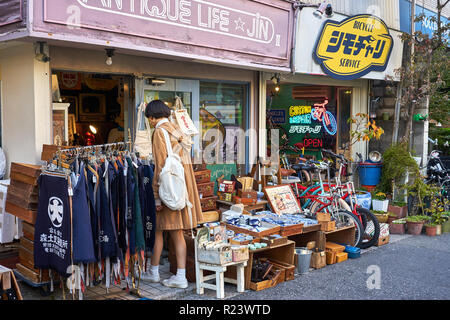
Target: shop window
[96,107]
[305,117]
[345,103]
[223,107]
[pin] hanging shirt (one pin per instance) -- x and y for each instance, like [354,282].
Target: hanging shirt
[147,205]
[92,178]
[106,237]
[52,237]
[83,243]
[122,207]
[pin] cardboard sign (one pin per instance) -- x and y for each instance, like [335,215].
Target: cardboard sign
[354,47]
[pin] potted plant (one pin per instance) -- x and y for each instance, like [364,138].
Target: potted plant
[414,224]
[397,226]
[399,208]
[445,228]
[430,229]
[382,216]
[391,217]
[436,210]
[379,202]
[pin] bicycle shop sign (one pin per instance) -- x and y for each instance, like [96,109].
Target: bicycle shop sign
[354,47]
[301,118]
[251,27]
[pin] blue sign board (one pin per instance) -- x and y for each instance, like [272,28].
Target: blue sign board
[426,26]
[278,116]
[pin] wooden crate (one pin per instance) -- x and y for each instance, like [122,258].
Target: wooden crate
[24,214]
[288,268]
[26,258]
[330,257]
[327,225]
[245,201]
[24,190]
[28,204]
[202,176]
[27,244]
[334,247]
[274,230]
[382,241]
[262,285]
[31,275]
[323,217]
[209,203]
[273,241]
[205,189]
[291,230]
[28,230]
[26,169]
[210,216]
[341,256]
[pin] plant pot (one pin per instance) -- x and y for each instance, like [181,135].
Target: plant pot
[397,228]
[446,226]
[382,218]
[431,231]
[438,230]
[390,219]
[380,205]
[400,212]
[414,228]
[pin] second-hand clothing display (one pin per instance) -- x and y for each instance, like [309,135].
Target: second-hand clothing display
[97,213]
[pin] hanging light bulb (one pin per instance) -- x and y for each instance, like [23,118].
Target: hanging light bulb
[109,54]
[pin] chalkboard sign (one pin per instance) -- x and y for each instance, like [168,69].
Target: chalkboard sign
[217,170]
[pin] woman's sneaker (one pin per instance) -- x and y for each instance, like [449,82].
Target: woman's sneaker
[175,282]
[150,277]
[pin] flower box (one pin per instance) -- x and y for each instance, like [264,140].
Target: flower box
[380,205]
[400,212]
[397,228]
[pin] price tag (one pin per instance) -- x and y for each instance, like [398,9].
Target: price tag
[70,192]
[94,179]
[125,171]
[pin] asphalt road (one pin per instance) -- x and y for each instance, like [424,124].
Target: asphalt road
[414,268]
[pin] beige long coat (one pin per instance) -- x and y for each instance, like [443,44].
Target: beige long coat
[167,219]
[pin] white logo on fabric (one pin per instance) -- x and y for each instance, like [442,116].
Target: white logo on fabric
[55,211]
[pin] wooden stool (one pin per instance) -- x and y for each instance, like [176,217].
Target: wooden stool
[219,270]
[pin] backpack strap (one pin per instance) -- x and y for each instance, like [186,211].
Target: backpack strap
[168,144]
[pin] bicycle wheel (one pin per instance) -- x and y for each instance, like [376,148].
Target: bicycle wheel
[371,228]
[346,219]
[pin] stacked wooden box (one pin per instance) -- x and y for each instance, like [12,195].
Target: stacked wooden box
[22,201]
[335,253]
[325,222]
[205,189]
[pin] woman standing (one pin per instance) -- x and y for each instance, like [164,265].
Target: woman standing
[166,219]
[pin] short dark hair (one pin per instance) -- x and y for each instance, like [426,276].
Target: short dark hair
[157,109]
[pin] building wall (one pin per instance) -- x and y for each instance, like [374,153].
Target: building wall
[387,10]
[26,108]
[432,5]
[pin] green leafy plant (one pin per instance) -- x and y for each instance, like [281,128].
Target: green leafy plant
[378,212]
[399,221]
[399,204]
[417,218]
[397,161]
[431,225]
[392,214]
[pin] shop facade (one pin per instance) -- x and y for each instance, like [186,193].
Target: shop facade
[337,81]
[208,53]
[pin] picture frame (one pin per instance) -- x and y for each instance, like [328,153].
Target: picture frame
[282,199]
[92,107]
[73,108]
[60,123]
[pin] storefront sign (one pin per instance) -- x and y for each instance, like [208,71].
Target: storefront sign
[277,116]
[354,47]
[261,28]
[306,114]
[10,12]
[310,143]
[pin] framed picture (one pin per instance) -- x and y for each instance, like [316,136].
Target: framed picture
[60,123]
[73,108]
[72,127]
[92,107]
[282,199]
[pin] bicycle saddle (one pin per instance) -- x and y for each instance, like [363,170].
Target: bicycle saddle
[302,166]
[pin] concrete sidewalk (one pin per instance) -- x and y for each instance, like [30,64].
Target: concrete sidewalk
[153,291]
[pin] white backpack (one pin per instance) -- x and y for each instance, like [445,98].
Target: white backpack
[172,184]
